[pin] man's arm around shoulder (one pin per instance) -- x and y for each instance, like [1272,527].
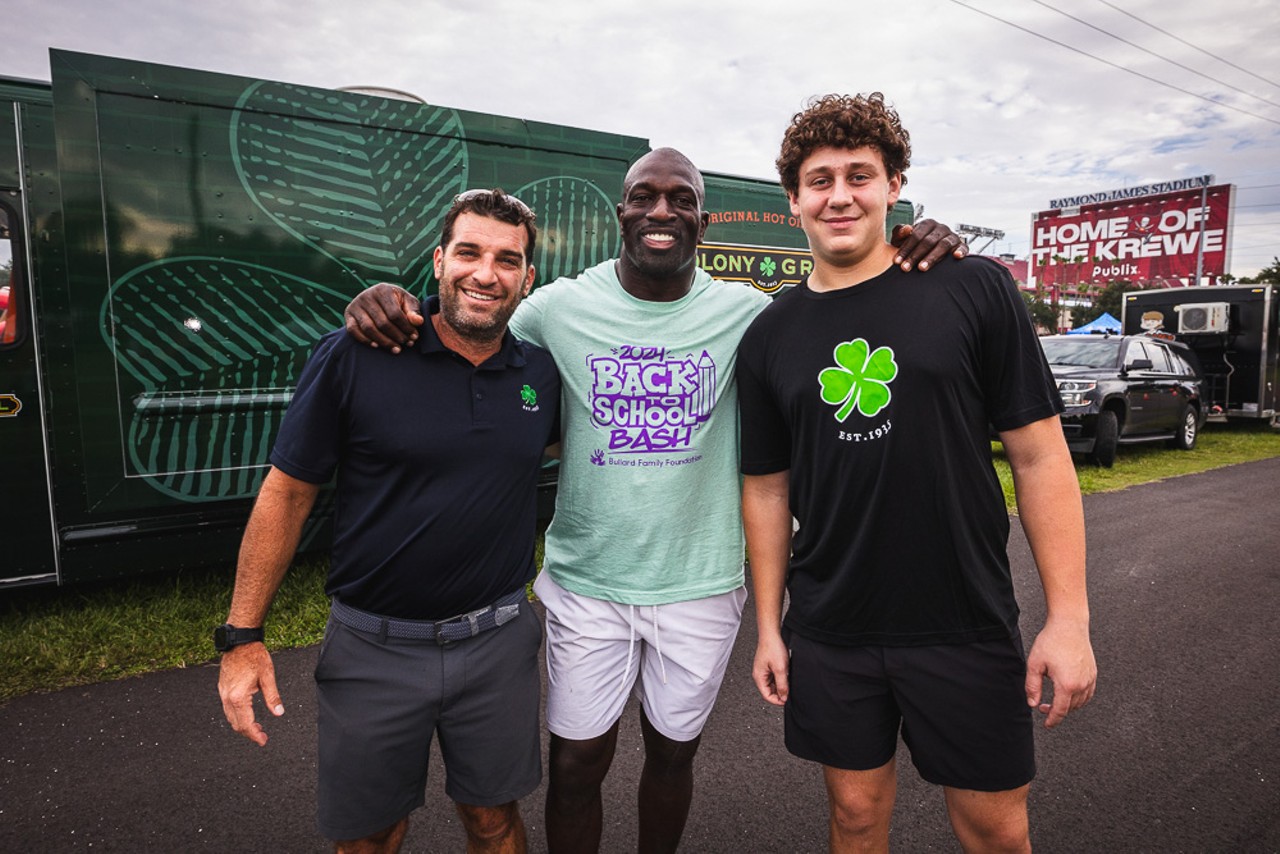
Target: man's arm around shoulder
[270,541]
[1052,517]
[384,315]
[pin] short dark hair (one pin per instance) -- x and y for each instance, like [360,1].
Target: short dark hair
[844,121]
[493,204]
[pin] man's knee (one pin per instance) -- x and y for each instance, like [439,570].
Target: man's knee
[862,812]
[861,802]
[488,825]
[575,764]
[383,842]
[666,754]
[990,821]
[1008,837]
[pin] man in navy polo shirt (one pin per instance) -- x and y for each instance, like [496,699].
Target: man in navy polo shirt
[434,533]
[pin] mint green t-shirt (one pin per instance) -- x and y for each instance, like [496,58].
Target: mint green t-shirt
[648,510]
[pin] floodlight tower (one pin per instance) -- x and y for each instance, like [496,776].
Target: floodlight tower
[992,234]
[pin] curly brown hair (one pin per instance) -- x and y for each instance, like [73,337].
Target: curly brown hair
[844,121]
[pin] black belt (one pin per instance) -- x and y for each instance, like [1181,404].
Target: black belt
[456,628]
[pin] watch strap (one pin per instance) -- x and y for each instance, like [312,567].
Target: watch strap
[227,636]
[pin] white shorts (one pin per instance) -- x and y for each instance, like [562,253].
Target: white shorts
[597,649]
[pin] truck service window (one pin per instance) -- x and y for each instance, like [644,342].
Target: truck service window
[8,280]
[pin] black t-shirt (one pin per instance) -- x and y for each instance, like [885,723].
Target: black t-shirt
[878,400]
[437,463]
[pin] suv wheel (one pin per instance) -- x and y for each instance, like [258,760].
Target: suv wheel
[1105,439]
[1188,426]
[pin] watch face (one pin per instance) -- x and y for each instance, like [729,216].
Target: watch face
[220,639]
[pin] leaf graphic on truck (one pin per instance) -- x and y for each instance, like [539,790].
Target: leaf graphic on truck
[577,225]
[213,346]
[216,347]
[364,180]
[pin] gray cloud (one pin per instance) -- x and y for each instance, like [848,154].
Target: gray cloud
[1001,120]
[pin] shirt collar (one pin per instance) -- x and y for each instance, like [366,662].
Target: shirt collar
[510,355]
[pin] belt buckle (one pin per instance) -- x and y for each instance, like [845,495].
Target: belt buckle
[438,630]
[471,620]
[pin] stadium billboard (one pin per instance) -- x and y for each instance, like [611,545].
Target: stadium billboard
[1156,237]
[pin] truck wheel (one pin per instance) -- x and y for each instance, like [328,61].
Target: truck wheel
[1188,429]
[1106,438]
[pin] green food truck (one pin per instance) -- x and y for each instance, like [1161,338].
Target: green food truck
[175,241]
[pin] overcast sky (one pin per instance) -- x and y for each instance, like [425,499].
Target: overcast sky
[1010,103]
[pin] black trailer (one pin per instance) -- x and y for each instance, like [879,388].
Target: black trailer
[1234,330]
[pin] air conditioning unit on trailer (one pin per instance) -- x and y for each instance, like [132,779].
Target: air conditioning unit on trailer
[1204,317]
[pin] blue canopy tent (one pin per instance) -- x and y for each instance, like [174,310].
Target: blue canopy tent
[1099,325]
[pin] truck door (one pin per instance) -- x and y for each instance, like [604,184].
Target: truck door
[1146,404]
[1168,386]
[26,527]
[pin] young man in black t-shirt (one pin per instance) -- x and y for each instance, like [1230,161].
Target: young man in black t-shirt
[866,397]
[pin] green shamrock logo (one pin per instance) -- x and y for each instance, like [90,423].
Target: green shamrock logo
[861,381]
[529,396]
[768,265]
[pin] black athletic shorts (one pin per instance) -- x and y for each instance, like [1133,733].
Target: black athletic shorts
[382,700]
[962,710]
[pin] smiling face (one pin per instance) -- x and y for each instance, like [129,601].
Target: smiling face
[483,275]
[843,199]
[661,216]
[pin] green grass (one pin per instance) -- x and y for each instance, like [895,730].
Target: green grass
[1218,445]
[61,637]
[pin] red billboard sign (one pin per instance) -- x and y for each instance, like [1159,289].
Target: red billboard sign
[1143,239]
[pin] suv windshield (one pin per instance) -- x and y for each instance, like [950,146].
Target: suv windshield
[1082,351]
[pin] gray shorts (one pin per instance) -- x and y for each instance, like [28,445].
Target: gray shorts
[380,703]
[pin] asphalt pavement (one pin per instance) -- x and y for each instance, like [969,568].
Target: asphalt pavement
[1179,751]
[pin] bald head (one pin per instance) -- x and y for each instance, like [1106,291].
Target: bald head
[662,222]
[665,164]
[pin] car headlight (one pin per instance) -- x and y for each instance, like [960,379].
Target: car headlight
[1074,391]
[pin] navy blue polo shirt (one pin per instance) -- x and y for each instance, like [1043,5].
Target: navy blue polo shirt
[437,463]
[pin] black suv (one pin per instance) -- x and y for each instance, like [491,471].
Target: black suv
[1121,389]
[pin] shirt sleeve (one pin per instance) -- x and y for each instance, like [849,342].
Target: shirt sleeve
[766,438]
[528,321]
[308,445]
[1019,387]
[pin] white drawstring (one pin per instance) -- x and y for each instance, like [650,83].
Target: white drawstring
[631,646]
[657,640]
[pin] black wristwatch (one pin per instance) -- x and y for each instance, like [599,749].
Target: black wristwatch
[227,636]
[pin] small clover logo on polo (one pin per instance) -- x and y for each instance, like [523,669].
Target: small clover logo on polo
[768,266]
[529,396]
[861,380]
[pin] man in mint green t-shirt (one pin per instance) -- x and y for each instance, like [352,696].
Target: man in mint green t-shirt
[643,582]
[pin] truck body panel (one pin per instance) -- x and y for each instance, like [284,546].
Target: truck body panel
[179,240]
